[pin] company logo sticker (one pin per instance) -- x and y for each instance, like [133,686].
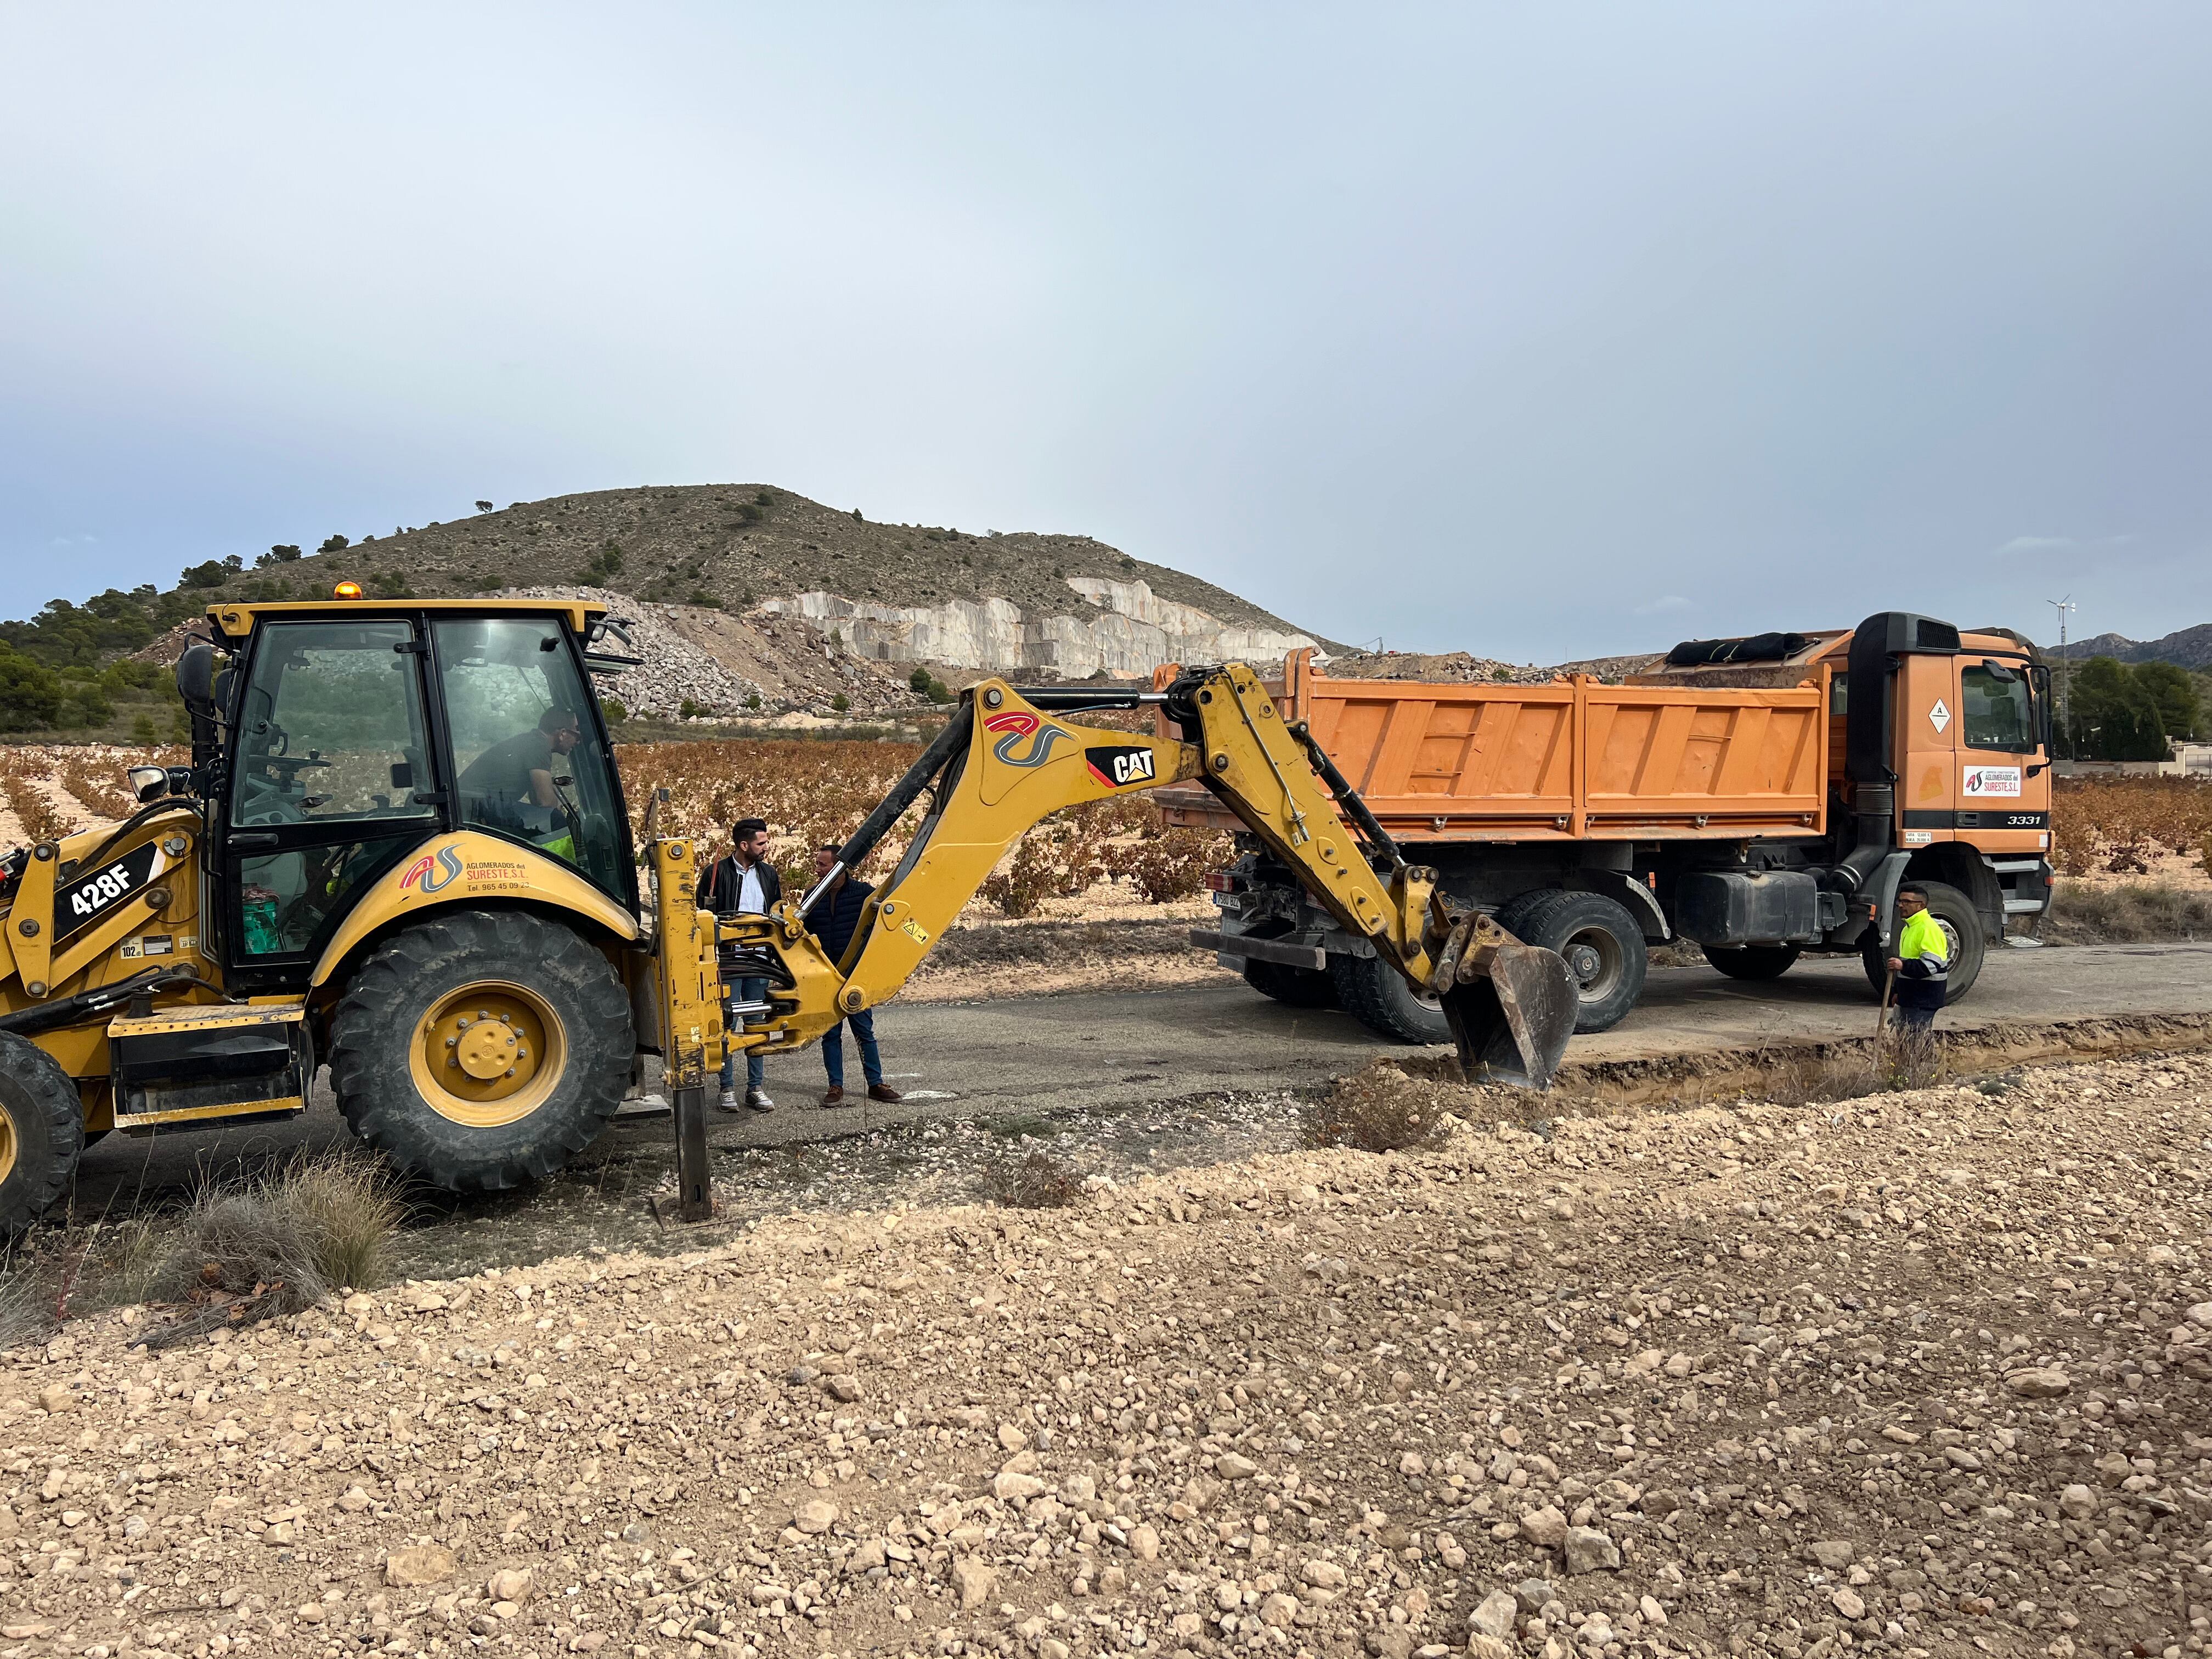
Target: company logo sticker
[1017,724]
[1990,781]
[1120,766]
[426,876]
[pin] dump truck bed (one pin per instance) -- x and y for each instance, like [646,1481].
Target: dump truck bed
[1569,760]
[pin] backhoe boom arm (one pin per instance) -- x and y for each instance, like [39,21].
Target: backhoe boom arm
[1003,763]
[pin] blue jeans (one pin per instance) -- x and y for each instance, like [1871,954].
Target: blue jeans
[833,1050]
[744,990]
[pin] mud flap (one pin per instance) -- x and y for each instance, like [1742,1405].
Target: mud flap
[1512,1007]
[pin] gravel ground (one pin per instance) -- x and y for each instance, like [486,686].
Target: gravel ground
[1925,1374]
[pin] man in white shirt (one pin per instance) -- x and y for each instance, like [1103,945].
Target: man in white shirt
[745,883]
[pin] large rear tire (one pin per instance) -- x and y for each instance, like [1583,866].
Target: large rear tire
[1961,923]
[1379,996]
[41,1133]
[1752,961]
[482,1049]
[1601,942]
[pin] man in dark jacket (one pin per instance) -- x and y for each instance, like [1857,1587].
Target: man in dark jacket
[743,884]
[833,920]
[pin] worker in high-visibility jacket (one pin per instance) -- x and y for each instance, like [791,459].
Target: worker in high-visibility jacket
[1922,966]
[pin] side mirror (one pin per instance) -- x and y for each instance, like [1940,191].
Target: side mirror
[196,678]
[147,783]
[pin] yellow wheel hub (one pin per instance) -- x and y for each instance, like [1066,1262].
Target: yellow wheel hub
[488,1053]
[7,1145]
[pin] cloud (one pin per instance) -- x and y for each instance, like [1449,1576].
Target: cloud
[2037,543]
[1664,602]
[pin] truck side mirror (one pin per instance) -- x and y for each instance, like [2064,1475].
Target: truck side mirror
[147,783]
[196,678]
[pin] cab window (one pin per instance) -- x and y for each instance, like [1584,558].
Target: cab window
[330,726]
[1996,711]
[528,760]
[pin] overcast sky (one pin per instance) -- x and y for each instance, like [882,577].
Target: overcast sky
[1536,332]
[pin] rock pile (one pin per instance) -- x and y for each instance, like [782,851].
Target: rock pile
[1920,1374]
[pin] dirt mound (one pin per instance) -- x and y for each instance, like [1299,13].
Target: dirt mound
[1458,667]
[1923,1372]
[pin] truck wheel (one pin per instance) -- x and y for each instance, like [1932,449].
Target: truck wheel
[1752,961]
[1601,942]
[481,1050]
[1961,923]
[1379,997]
[41,1133]
[1294,987]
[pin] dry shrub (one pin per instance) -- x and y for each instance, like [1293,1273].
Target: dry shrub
[29,1300]
[1810,1077]
[1174,864]
[350,1204]
[1380,1109]
[1039,1182]
[1911,1058]
[99,798]
[278,1245]
[31,808]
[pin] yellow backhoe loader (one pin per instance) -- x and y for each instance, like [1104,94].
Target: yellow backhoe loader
[401,850]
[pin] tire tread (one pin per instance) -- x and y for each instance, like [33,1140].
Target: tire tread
[55,1112]
[370,1028]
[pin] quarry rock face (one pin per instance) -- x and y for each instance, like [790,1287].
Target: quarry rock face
[1117,628]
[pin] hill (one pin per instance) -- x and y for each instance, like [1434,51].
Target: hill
[746,597]
[2186,647]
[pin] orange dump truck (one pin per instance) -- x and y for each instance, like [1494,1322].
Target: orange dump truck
[1762,797]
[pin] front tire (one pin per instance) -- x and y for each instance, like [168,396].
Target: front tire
[1752,961]
[1380,998]
[482,1049]
[1961,923]
[1601,942]
[41,1133]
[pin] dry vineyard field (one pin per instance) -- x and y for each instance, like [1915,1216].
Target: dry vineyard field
[809,792]
[2135,854]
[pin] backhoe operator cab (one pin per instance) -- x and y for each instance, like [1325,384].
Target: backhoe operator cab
[400,850]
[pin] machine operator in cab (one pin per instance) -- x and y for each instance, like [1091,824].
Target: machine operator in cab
[1921,963]
[517,771]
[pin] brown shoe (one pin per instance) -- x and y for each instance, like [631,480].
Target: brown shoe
[835,1097]
[885,1092]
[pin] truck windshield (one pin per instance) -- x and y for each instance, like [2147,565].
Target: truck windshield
[1996,710]
[527,758]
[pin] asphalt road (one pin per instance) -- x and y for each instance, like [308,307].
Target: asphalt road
[1119,1049]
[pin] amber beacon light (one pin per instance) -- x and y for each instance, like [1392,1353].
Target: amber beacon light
[346,591]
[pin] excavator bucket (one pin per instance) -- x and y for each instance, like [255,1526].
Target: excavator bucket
[1512,1007]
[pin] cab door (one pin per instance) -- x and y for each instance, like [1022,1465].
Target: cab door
[330,786]
[2004,791]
